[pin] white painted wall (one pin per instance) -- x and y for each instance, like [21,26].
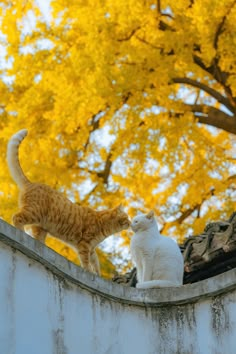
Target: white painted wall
[49,306]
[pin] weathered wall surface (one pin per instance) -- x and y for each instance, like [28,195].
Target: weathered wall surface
[50,306]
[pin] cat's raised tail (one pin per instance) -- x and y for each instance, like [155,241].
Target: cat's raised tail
[156,284]
[13,158]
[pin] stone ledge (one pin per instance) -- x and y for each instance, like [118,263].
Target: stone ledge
[66,270]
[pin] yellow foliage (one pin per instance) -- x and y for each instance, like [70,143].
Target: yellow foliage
[113,94]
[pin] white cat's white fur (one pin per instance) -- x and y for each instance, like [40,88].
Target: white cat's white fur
[158,259]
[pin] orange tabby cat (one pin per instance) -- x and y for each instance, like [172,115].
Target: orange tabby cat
[47,210]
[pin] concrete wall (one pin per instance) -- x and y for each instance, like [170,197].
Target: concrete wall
[50,306]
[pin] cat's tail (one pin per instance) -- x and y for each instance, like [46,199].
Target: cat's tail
[157,284]
[13,158]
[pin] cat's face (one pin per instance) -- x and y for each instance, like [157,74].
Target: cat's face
[142,222]
[121,218]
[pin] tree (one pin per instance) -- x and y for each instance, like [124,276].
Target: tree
[125,101]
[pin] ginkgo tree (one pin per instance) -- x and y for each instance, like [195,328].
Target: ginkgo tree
[125,101]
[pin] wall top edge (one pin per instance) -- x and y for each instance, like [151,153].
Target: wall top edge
[67,271]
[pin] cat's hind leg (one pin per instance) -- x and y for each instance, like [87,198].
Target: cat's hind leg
[23,218]
[156,284]
[38,232]
[95,262]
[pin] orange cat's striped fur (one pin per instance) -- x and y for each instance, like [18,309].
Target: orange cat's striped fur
[47,210]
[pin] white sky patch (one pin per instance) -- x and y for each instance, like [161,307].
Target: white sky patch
[103,137]
[85,187]
[45,8]
[29,23]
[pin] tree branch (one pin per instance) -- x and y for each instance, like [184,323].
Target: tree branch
[129,36]
[107,169]
[159,7]
[220,98]
[219,75]
[220,28]
[94,124]
[148,43]
[215,118]
[210,116]
[185,214]
[105,173]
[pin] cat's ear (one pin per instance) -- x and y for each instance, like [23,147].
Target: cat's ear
[120,208]
[150,215]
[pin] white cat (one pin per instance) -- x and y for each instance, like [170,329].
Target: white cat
[158,259]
